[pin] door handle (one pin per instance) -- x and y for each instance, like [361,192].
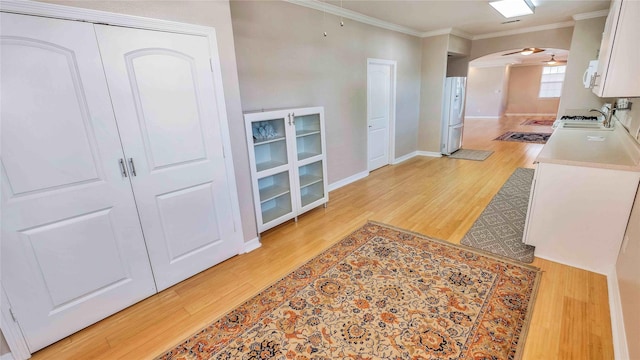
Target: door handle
[293,118]
[132,167]
[123,168]
[289,116]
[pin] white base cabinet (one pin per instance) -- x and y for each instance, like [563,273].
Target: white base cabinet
[288,160]
[577,215]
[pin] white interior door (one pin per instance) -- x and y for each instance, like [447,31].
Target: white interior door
[378,113]
[166,108]
[72,248]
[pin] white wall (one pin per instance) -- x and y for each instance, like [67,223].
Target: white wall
[486,91]
[584,47]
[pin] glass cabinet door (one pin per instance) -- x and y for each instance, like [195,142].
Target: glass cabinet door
[308,136]
[269,144]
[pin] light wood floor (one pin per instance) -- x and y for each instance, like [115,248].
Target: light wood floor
[439,197]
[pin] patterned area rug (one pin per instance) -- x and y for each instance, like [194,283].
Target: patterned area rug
[535,122]
[468,154]
[380,293]
[529,137]
[500,227]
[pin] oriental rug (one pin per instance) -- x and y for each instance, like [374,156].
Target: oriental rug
[468,154]
[500,227]
[536,122]
[380,293]
[529,137]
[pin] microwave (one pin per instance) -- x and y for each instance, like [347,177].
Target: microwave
[588,79]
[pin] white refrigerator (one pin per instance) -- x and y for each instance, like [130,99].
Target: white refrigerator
[452,114]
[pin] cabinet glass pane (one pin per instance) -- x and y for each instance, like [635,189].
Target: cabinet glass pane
[275,208]
[310,174]
[308,138]
[311,183]
[273,186]
[312,193]
[269,142]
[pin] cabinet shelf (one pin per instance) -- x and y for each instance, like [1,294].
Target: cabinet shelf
[272,192]
[301,133]
[267,141]
[307,180]
[269,165]
[306,155]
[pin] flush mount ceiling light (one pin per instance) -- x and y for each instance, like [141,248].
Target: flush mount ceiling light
[513,8]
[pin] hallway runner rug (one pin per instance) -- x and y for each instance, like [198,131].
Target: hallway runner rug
[500,227]
[381,293]
[529,137]
[468,154]
[536,122]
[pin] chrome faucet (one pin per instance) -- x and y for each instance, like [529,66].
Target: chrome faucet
[607,116]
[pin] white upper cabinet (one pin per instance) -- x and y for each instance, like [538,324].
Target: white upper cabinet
[619,61]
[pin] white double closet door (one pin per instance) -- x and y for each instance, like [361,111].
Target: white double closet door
[114,184]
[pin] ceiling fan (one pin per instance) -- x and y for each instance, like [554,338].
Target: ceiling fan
[525,51]
[553,61]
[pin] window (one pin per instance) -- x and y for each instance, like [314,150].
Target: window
[551,81]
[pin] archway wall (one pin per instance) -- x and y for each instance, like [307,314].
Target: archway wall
[554,38]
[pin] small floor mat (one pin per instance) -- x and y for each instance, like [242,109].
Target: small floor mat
[537,122]
[528,137]
[469,154]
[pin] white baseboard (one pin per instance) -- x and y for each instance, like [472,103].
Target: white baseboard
[529,114]
[620,347]
[404,158]
[7,356]
[429,153]
[563,262]
[249,246]
[346,181]
[483,117]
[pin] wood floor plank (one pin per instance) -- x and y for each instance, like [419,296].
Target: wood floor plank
[439,197]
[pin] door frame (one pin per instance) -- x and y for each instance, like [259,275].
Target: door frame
[393,64]
[11,329]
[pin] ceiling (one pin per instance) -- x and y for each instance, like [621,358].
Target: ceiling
[473,17]
[498,59]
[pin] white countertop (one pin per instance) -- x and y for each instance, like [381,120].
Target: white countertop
[613,149]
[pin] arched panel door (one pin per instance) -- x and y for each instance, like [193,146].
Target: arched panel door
[72,247]
[165,103]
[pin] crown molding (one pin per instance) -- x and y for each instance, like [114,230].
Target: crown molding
[452,31]
[356,16]
[525,30]
[338,11]
[590,15]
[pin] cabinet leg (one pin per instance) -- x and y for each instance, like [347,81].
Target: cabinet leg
[295,219]
[325,205]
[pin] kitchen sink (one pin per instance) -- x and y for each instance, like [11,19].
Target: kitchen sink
[584,125]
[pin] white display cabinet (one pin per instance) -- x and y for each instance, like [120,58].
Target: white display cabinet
[287,154]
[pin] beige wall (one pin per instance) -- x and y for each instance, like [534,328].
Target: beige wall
[432,77]
[556,39]
[522,97]
[584,47]
[486,91]
[216,14]
[4,348]
[284,61]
